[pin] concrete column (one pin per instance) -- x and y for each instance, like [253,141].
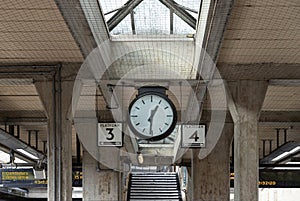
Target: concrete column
[211,175]
[99,183]
[248,97]
[57,103]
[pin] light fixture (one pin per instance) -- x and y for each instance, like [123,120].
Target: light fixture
[27,154]
[18,160]
[140,158]
[293,162]
[286,168]
[16,144]
[284,154]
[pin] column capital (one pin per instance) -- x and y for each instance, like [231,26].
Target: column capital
[246,98]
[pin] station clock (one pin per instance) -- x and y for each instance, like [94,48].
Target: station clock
[152,115]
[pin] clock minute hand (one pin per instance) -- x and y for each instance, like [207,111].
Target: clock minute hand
[151,118]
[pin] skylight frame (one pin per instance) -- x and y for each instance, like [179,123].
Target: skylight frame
[115,14]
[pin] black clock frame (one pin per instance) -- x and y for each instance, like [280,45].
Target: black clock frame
[158,91]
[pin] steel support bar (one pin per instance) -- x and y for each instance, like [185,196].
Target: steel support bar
[277,137]
[270,146]
[180,12]
[285,135]
[29,138]
[132,22]
[122,13]
[264,147]
[36,140]
[18,131]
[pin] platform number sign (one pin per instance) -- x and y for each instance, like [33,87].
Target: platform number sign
[110,134]
[193,136]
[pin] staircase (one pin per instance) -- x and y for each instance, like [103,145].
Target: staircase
[154,186]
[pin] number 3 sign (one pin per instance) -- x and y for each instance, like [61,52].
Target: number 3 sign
[110,134]
[193,136]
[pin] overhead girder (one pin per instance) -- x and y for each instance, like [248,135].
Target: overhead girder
[122,13]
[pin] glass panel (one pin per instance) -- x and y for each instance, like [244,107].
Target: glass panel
[180,27]
[124,27]
[4,157]
[152,17]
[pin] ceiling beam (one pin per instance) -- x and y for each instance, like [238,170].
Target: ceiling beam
[280,116]
[24,121]
[74,17]
[211,28]
[261,71]
[122,13]
[285,82]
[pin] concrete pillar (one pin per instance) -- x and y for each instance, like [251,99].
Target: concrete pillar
[248,97]
[57,104]
[211,175]
[99,183]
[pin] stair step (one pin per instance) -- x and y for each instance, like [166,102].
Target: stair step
[153,178]
[154,197]
[151,199]
[143,175]
[154,182]
[153,191]
[154,187]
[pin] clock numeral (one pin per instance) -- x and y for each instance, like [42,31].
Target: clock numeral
[166,107]
[160,130]
[159,102]
[143,102]
[144,130]
[133,116]
[151,98]
[137,108]
[169,115]
[137,124]
[166,124]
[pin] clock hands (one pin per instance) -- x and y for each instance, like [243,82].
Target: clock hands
[150,119]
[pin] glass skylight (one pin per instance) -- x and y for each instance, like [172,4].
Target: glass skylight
[5,158]
[144,17]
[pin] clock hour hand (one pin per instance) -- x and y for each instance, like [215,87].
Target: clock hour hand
[151,118]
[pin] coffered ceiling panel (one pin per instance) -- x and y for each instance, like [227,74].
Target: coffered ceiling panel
[35,31]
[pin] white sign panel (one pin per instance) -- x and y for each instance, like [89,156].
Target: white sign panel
[110,134]
[193,136]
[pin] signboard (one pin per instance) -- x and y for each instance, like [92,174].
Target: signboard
[193,136]
[275,178]
[20,178]
[110,134]
[25,178]
[77,177]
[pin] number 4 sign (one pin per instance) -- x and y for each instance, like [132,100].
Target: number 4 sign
[110,134]
[193,136]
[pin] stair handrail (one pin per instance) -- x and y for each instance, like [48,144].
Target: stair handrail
[127,188]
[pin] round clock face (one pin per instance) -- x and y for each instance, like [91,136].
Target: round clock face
[152,116]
